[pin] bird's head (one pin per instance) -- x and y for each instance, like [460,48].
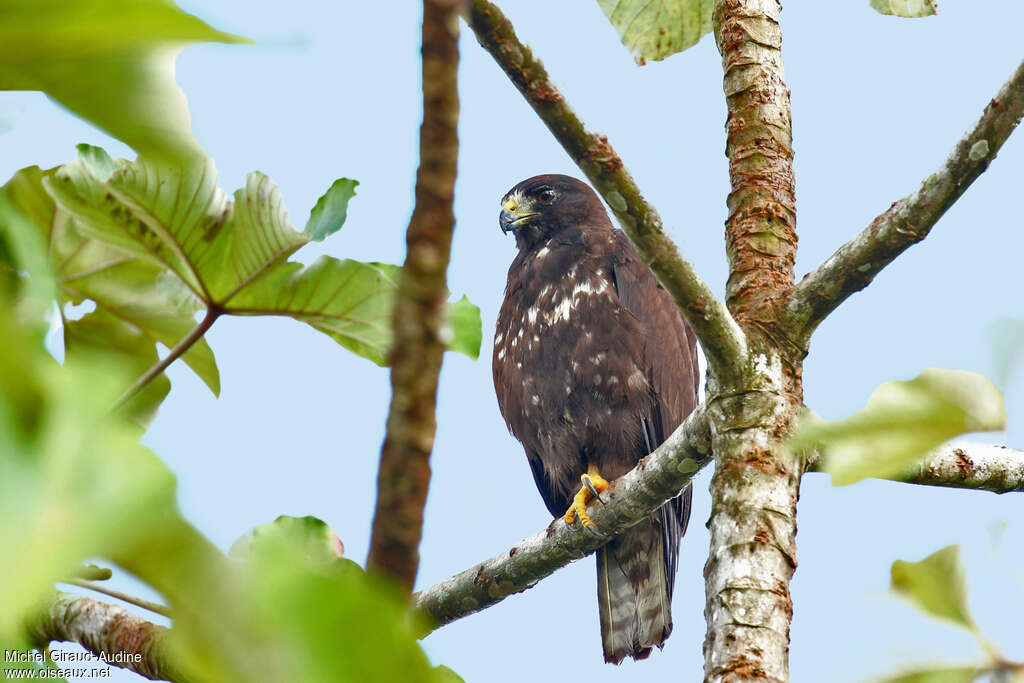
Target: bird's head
[540,207]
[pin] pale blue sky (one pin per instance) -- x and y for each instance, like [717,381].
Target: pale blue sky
[331,89]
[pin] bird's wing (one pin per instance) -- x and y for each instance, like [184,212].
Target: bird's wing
[670,354]
[670,363]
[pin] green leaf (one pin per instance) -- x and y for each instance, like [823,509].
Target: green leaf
[348,300]
[955,674]
[936,585]
[906,8]
[464,331]
[74,481]
[214,247]
[30,665]
[442,674]
[99,162]
[100,330]
[138,303]
[901,422]
[23,251]
[465,328]
[109,61]
[308,535]
[233,256]
[314,608]
[656,29]
[331,209]
[288,607]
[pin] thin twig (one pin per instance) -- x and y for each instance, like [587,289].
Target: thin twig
[131,599]
[909,220]
[419,315]
[212,313]
[631,498]
[719,335]
[91,572]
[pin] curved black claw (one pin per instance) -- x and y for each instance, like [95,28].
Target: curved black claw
[593,491]
[593,530]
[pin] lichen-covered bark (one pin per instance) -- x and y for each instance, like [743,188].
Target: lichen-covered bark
[761,227]
[419,310]
[756,484]
[109,630]
[718,333]
[753,524]
[977,466]
[907,221]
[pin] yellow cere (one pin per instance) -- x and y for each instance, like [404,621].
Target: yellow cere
[509,205]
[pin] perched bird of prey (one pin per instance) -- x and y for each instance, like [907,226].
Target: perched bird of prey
[594,368]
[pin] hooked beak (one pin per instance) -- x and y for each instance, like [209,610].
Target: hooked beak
[511,219]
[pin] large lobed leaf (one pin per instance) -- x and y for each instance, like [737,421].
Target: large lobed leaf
[109,61]
[901,422]
[656,29]
[137,304]
[350,301]
[233,256]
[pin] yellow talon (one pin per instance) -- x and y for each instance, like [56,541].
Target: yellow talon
[592,482]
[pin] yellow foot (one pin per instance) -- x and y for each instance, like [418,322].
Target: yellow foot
[593,484]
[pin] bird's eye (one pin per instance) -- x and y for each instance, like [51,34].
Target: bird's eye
[546,196]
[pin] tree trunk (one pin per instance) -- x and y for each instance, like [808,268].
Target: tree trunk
[753,407]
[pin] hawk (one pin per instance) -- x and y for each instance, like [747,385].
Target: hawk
[594,367]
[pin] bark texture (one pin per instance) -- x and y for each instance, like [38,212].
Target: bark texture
[977,466]
[419,310]
[756,485]
[909,220]
[631,498]
[720,337]
[761,227]
[108,630]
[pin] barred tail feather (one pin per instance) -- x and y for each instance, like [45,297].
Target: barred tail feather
[633,593]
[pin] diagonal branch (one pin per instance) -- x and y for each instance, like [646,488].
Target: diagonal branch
[122,639]
[909,220]
[657,478]
[982,467]
[721,338]
[419,315]
[154,607]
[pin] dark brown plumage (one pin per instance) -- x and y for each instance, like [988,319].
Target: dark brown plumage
[594,366]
